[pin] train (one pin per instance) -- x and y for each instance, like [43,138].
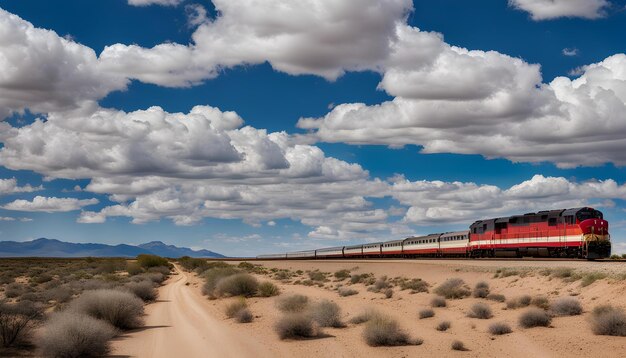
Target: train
[567,233]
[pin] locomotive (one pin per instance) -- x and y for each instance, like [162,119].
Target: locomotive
[575,233]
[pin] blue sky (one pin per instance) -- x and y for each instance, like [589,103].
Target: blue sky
[403,175]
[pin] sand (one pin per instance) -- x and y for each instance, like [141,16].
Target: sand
[187,324]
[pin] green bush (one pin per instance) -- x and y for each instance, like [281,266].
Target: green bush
[241,284]
[146,261]
[268,289]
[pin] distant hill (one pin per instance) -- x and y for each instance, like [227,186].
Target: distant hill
[55,248]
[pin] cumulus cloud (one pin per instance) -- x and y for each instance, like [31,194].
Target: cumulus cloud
[447,202]
[45,72]
[553,9]
[453,100]
[10,186]
[49,204]
[570,52]
[154,2]
[324,38]
[196,15]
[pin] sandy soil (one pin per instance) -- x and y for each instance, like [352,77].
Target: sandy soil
[197,327]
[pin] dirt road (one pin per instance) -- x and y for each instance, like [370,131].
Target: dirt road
[182,324]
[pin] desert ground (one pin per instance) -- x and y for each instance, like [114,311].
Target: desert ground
[185,323]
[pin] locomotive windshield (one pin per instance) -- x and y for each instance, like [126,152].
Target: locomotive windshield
[588,214]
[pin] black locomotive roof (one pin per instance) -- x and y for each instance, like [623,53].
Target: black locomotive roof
[353,246]
[550,213]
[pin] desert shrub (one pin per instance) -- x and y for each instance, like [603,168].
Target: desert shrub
[426,313]
[282,275]
[496,297]
[71,334]
[241,284]
[345,291]
[147,261]
[163,270]
[443,326]
[155,277]
[499,328]
[382,330]
[535,317]
[13,290]
[133,268]
[381,283]
[41,278]
[121,309]
[358,278]
[235,306]
[415,285]
[438,302]
[541,302]
[327,314]
[16,322]
[268,289]
[194,264]
[213,275]
[317,276]
[453,288]
[608,321]
[480,310]
[293,303]
[364,316]
[458,346]
[295,325]
[60,294]
[566,306]
[388,293]
[246,266]
[518,302]
[143,289]
[244,316]
[592,277]
[93,284]
[342,274]
[481,290]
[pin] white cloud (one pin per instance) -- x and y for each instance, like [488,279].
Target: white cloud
[570,52]
[7,218]
[49,205]
[196,15]
[553,9]
[44,72]
[154,2]
[10,186]
[324,38]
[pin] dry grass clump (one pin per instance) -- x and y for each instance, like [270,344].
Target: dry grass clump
[382,330]
[212,277]
[388,293]
[541,302]
[295,325]
[342,274]
[293,303]
[235,306]
[71,334]
[535,317]
[453,288]
[268,289]
[144,290]
[426,313]
[458,346]
[518,302]
[481,290]
[380,284]
[607,320]
[499,328]
[415,285]
[133,268]
[317,276]
[592,277]
[345,291]
[359,278]
[566,306]
[364,316]
[327,314]
[241,284]
[496,297]
[443,326]
[244,316]
[120,309]
[60,294]
[480,310]
[438,302]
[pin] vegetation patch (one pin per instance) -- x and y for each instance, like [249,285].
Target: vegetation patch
[566,306]
[71,334]
[327,314]
[382,330]
[121,309]
[480,310]
[534,317]
[293,303]
[607,320]
[426,313]
[453,288]
[295,325]
[499,328]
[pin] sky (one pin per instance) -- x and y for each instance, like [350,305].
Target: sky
[249,126]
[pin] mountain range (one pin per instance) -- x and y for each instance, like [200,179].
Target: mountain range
[54,248]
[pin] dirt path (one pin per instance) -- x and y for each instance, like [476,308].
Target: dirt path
[182,324]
